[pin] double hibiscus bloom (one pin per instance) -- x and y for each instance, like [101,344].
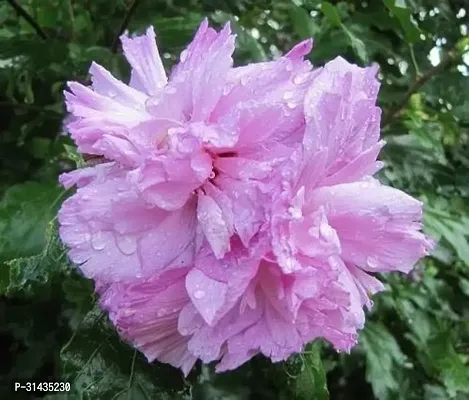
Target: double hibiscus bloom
[236,212]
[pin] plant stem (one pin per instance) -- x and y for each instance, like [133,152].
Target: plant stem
[447,61]
[124,24]
[29,19]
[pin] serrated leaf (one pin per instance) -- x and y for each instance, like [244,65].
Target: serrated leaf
[453,372]
[100,366]
[383,355]
[32,275]
[25,212]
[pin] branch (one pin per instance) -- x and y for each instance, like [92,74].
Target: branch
[447,61]
[23,13]
[124,24]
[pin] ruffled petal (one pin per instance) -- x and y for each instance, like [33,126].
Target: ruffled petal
[378,226]
[104,116]
[114,235]
[367,285]
[148,74]
[266,98]
[248,205]
[341,114]
[215,286]
[202,70]
[211,220]
[169,179]
[146,312]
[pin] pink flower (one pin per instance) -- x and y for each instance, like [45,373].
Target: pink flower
[237,214]
[186,153]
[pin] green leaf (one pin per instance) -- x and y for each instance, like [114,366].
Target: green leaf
[74,156]
[33,275]
[357,44]
[453,372]
[303,25]
[99,366]
[442,224]
[25,212]
[331,13]
[399,9]
[383,357]
[311,382]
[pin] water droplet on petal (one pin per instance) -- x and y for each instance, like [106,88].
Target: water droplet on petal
[372,262]
[288,95]
[183,56]
[291,105]
[126,244]
[199,294]
[98,241]
[300,78]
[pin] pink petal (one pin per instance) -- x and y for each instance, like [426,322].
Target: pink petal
[104,83]
[215,286]
[148,73]
[113,235]
[367,285]
[168,180]
[214,226]
[378,226]
[201,73]
[341,115]
[146,312]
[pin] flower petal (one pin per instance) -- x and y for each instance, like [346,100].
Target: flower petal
[146,312]
[214,226]
[148,73]
[340,111]
[202,70]
[113,235]
[378,226]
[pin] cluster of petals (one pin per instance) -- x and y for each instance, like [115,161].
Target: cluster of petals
[235,212]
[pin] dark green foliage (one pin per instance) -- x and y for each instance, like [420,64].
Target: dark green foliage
[416,341]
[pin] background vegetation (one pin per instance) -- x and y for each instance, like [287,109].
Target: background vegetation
[416,341]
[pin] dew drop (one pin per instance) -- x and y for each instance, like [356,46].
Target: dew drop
[127,244]
[183,56]
[288,95]
[291,105]
[98,241]
[343,113]
[300,78]
[372,262]
[199,294]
